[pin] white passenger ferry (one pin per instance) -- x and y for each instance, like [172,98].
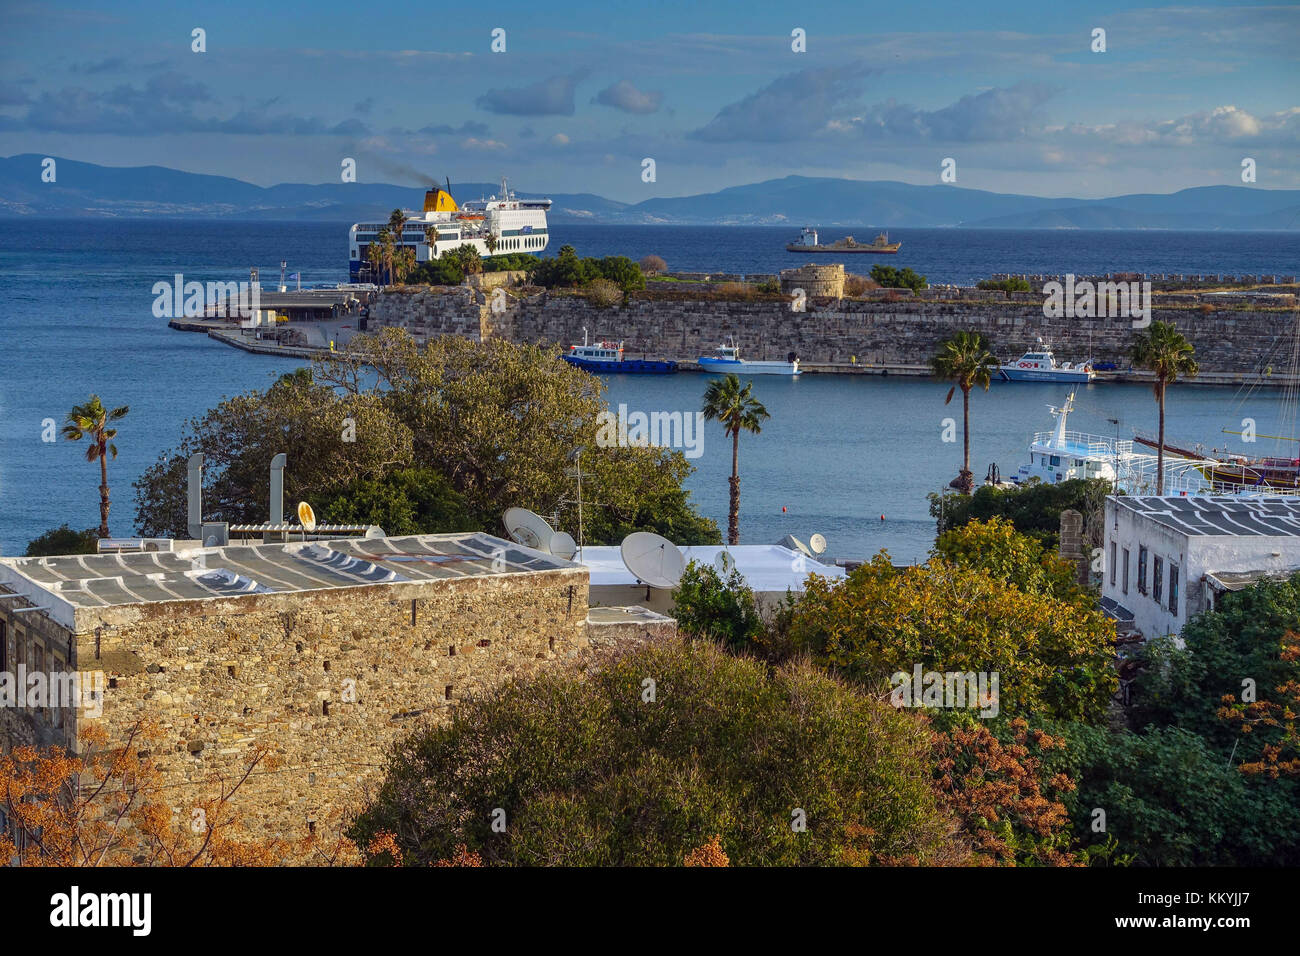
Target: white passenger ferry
[513,225]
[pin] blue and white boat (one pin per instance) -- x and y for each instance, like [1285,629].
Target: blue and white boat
[606,358]
[726,358]
[1041,366]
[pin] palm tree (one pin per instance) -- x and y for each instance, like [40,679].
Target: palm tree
[1164,351]
[91,421]
[375,256]
[385,240]
[738,410]
[490,240]
[966,361]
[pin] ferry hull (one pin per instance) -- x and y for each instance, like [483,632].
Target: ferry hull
[741,367]
[888,250]
[624,367]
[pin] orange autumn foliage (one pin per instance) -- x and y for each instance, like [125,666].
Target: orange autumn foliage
[108,806]
[708,854]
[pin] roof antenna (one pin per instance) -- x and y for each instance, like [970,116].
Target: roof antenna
[194,489]
[277,488]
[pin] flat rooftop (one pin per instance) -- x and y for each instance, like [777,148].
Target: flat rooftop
[765,567]
[110,580]
[1220,515]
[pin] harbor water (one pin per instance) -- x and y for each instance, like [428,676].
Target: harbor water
[838,453]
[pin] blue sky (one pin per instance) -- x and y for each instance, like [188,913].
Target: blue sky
[712,92]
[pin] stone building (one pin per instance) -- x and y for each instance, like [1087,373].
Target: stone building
[820,281]
[322,651]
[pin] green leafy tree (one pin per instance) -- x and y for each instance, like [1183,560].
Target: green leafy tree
[888,277]
[309,422]
[566,270]
[403,501]
[735,407]
[1033,508]
[1013,284]
[441,271]
[1171,799]
[90,421]
[1163,351]
[1053,657]
[997,548]
[707,605]
[966,361]
[1242,639]
[503,423]
[63,540]
[593,775]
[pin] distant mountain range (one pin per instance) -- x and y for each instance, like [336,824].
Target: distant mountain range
[87,189]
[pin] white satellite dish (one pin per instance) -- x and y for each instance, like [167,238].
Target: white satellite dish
[562,545]
[723,562]
[653,559]
[794,544]
[306,516]
[818,544]
[528,529]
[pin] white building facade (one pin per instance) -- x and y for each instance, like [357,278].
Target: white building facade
[1166,559]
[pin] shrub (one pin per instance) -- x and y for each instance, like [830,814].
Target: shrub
[707,606]
[604,293]
[891,278]
[591,772]
[1053,657]
[1013,284]
[63,540]
[855,285]
[652,263]
[736,290]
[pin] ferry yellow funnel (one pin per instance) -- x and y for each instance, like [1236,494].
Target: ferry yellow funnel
[439,200]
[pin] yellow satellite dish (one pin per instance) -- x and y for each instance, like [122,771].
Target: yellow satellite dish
[306,517]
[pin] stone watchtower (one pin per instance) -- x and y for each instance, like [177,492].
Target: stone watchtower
[827,281]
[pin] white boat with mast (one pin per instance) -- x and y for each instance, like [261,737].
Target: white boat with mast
[726,358]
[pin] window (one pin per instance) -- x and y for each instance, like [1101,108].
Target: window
[1142,570]
[1173,588]
[1157,579]
[1124,580]
[1113,563]
[1056,459]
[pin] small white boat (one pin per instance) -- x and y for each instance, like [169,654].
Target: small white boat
[1041,366]
[1061,455]
[726,358]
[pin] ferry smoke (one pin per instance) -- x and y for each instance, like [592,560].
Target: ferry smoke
[403,172]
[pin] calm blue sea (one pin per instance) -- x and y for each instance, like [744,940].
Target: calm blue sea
[837,454]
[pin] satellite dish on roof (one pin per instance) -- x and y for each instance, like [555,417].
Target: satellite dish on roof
[562,545]
[724,562]
[306,517]
[653,559]
[528,529]
[817,543]
[794,544]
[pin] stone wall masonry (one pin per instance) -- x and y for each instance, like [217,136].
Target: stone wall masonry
[884,333]
[886,328]
[271,670]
